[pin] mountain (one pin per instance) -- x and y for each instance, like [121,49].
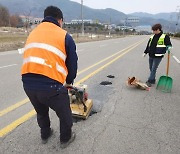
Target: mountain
[168,20]
[71,10]
[172,16]
[141,14]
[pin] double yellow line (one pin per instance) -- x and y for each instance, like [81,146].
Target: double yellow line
[27,116]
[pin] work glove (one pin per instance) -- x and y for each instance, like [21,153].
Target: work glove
[67,85]
[144,54]
[21,51]
[169,48]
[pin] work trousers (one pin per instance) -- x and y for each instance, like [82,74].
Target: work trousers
[153,65]
[58,100]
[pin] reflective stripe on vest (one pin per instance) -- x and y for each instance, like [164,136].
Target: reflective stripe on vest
[46,47]
[160,44]
[159,55]
[43,62]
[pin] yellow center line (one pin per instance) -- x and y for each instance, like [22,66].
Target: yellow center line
[13,107]
[107,64]
[18,104]
[27,116]
[106,59]
[16,123]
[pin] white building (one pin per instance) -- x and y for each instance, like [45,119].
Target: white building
[132,20]
[30,19]
[87,21]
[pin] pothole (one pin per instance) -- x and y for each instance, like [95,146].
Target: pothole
[105,83]
[111,76]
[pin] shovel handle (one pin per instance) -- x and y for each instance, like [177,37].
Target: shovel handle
[168,60]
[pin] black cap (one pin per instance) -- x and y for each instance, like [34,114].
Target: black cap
[54,12]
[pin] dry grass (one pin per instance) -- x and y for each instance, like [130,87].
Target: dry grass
[14,38]
[92,37]
[10,41]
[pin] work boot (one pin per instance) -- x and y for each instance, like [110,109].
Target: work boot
[65,144]
[148,83]
[45,140]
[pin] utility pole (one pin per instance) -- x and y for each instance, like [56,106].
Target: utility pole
[110,27]
[124,26]
[169,29]
[178,17]
[82,18]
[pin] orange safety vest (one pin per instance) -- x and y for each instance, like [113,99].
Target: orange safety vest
[44,52]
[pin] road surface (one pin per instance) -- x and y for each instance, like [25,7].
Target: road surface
[130,121]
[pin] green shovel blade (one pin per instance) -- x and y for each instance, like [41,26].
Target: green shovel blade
[165,84]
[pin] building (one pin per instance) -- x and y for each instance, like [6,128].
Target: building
[30,20]
[132,20]
[86,21]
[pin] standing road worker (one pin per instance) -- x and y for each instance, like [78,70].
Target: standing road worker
[156,48]
[49,65]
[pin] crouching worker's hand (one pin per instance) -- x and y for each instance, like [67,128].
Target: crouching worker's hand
[144,55]
[68,85]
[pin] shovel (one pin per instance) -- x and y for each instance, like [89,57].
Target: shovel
[165,82]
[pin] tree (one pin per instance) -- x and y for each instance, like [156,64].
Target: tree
[15,21]
[27,20]
[4,16]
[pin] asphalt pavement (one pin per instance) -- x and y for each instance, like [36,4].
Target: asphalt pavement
[129,120]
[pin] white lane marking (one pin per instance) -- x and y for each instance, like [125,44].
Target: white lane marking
[176,59]
[8,53]
[7,66]
[103,45]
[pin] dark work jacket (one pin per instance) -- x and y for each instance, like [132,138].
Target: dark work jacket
[40,82]
[152,48]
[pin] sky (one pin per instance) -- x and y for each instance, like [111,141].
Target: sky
[130,6]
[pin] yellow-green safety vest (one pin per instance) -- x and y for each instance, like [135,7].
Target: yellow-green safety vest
[160,47]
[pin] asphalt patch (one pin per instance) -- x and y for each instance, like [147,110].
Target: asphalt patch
[75,120]
[111,76]
[105,83]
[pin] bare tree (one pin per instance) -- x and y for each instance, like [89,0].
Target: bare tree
[27,19]
[15,20]
[4,16]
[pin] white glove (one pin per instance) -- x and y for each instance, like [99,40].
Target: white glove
[144,55]
[21,51]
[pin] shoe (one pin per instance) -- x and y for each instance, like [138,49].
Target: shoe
[65,144]
[45,140]
[148,83]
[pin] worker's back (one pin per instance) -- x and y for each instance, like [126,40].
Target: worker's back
[45,52]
